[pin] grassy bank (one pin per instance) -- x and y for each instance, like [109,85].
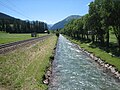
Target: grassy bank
[99,53]
[25,67]
[7,38]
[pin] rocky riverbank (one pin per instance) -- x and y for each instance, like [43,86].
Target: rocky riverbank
[106,66]
[47,76]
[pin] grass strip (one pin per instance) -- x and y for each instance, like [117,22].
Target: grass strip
[115,61]
[23,69]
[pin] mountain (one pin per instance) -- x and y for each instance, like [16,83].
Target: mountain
[49,26]
[4,16]
[61,24]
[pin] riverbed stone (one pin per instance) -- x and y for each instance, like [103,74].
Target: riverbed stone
[106,65]
[113,70]
[46,81]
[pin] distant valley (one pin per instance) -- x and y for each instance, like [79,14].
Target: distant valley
[57,25]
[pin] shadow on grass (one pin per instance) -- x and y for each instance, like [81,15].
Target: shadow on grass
[112,50]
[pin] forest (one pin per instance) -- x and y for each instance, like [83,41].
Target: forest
[12,25]
[103,17]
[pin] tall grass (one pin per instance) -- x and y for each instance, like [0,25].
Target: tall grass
[24,68]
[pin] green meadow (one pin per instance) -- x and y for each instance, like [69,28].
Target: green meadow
[24,68]
[7,37]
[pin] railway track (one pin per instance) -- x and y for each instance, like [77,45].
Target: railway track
[12,46]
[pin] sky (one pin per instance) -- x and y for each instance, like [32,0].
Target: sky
[49,11]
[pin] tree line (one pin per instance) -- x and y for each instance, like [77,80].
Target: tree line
[20,26]
[95,26]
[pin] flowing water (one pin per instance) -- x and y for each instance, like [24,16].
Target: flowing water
[73,70]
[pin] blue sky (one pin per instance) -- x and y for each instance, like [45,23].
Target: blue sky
[49,11]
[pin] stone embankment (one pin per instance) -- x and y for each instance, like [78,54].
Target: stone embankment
[47,76]
[106,66]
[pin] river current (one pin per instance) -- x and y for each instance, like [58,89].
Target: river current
[73,70]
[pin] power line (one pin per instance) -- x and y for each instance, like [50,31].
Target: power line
[10,8]
[13,5]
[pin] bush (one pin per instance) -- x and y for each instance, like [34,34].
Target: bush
[57,34]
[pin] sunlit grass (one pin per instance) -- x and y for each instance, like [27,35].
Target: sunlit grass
[7,38]
[24,68]
[99,53]
[113,38]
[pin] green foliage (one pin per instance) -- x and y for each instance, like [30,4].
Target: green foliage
[95,26]
[57,33]
[12,25]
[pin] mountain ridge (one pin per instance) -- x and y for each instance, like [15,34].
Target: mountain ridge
[61,23]
[5,16]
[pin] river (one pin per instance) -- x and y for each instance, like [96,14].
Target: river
[73,70]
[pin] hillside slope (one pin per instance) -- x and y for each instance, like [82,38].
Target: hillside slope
[5,16]
[61,24]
